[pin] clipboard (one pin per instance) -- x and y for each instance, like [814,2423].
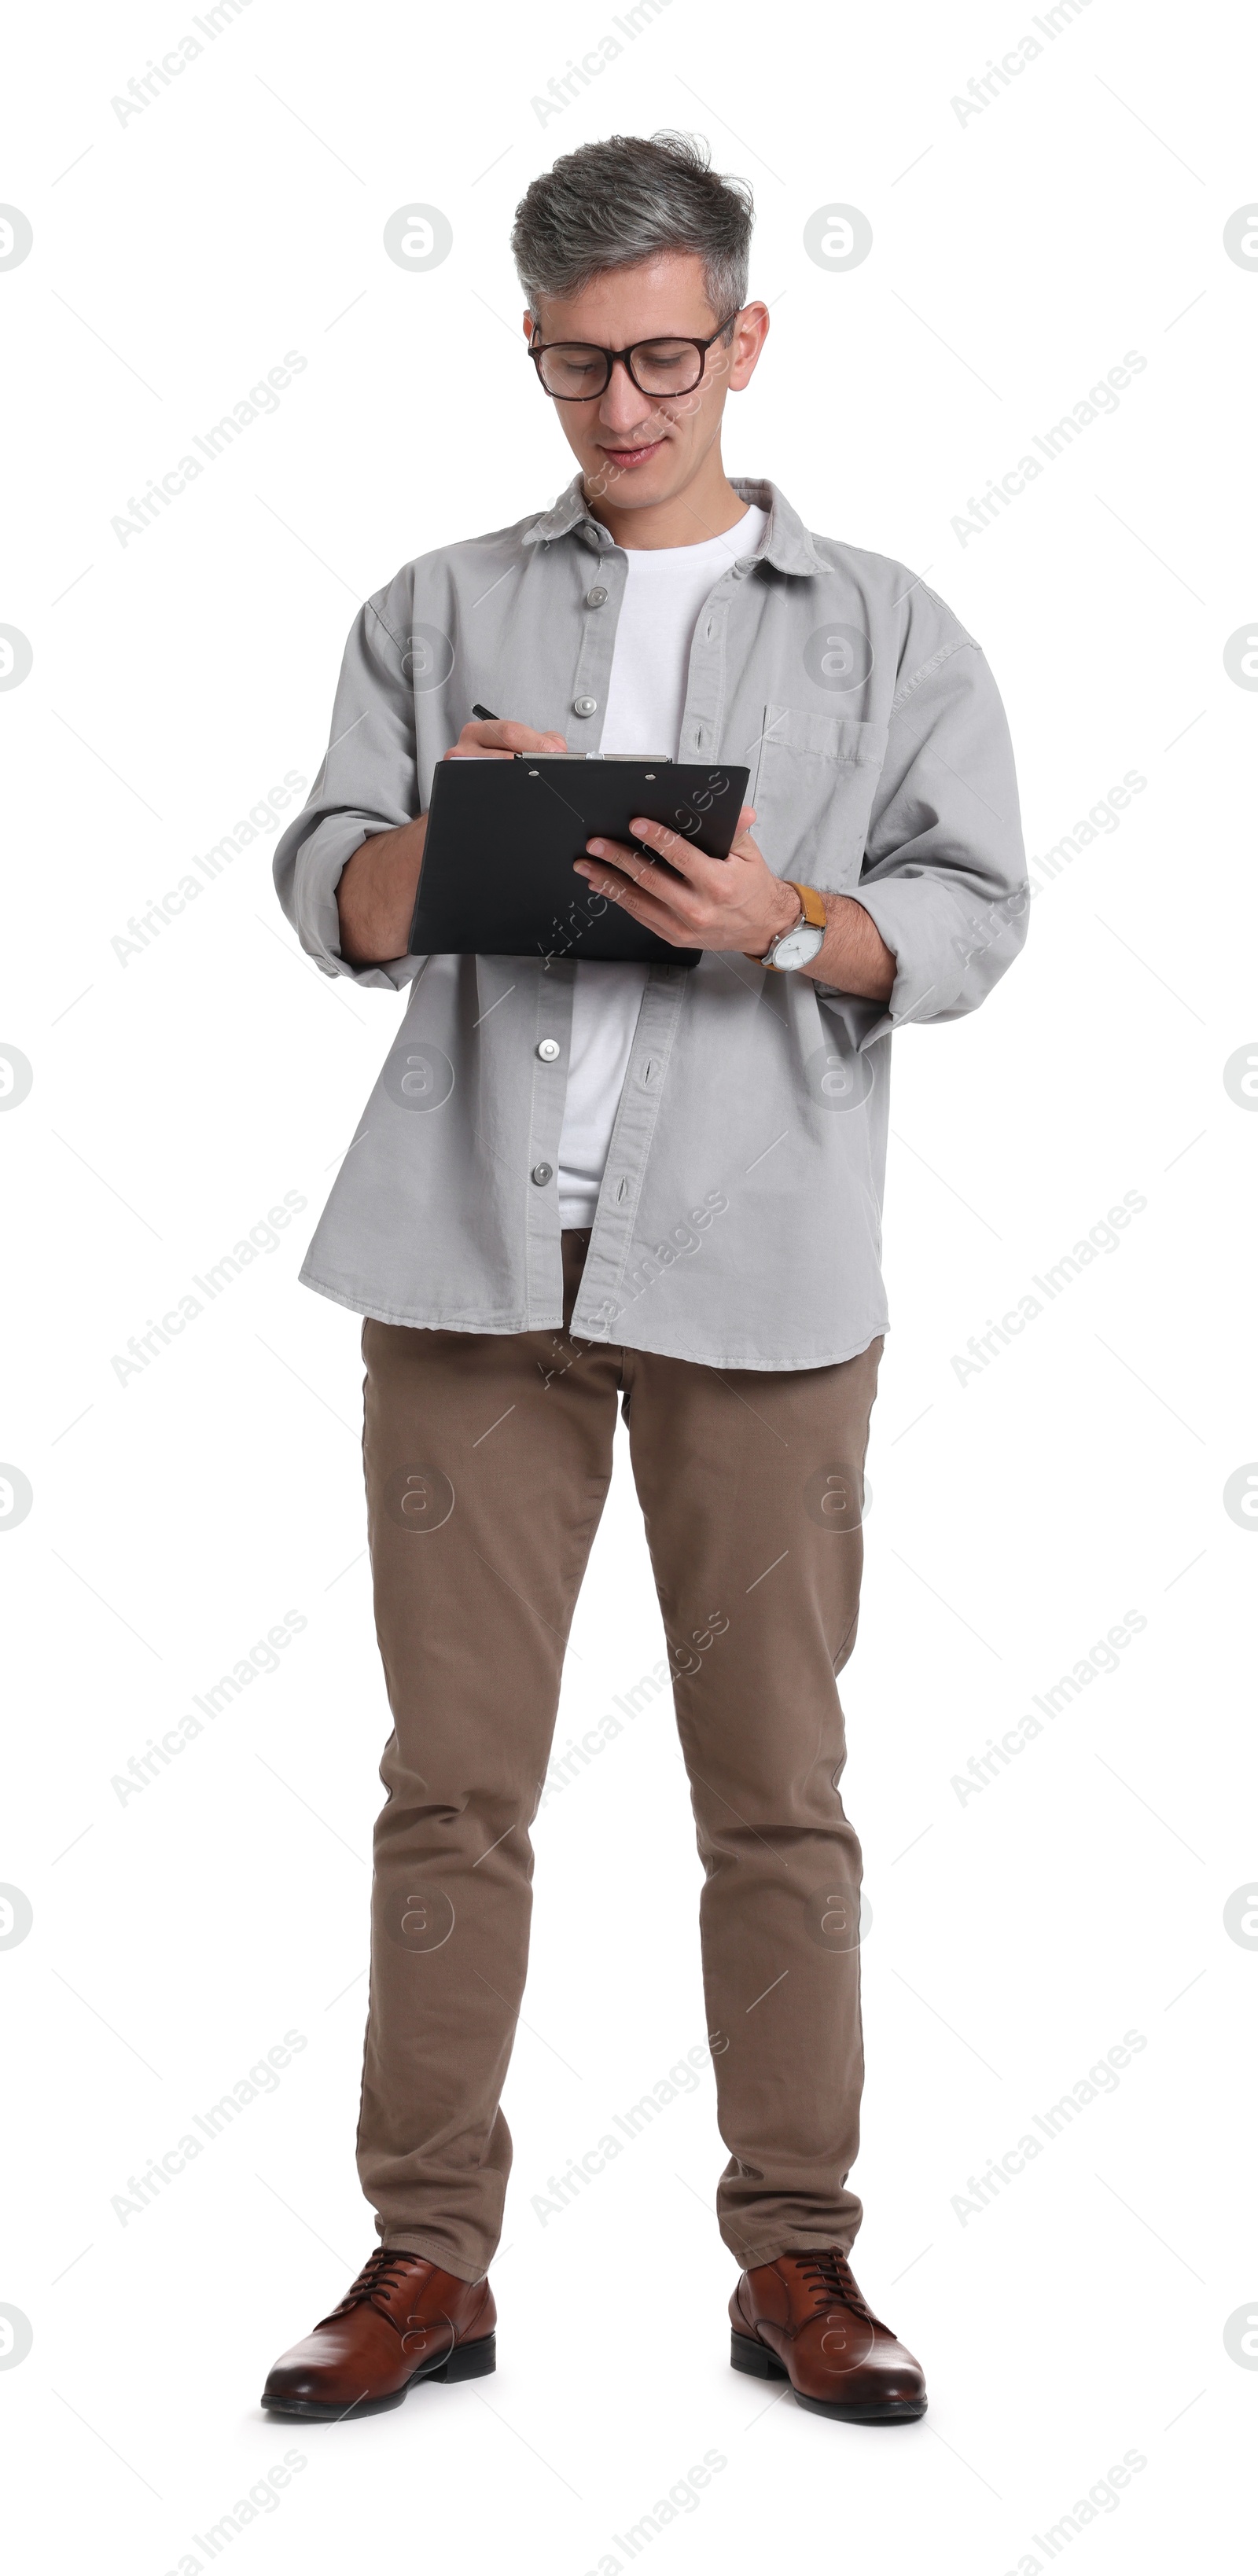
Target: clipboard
[497,878]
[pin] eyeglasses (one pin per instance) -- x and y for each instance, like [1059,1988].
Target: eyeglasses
[577,371]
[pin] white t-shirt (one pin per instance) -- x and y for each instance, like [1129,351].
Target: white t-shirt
[665,589]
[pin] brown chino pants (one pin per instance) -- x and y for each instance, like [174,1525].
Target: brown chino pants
[487,1460]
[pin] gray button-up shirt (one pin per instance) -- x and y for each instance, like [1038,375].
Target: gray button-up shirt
[739,1217]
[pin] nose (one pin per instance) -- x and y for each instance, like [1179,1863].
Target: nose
[622,407]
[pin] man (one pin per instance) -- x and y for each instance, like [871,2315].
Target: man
[578,1182]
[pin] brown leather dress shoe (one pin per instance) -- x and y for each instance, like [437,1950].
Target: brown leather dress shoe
[803,2319]
[403,2320]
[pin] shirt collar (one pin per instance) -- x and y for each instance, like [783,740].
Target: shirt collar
[786,542]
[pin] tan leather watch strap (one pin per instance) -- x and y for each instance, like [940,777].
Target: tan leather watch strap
[814,908]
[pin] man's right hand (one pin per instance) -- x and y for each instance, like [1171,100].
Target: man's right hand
[375,897]
[497,738]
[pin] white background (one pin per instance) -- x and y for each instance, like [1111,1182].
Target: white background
[1016,1936]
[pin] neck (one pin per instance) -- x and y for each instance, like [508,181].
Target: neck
[706,507]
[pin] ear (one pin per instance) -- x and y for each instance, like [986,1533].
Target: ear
[750,334]
[529,325]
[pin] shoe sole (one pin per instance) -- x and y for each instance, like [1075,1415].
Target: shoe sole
[759,2363]
[466,2361]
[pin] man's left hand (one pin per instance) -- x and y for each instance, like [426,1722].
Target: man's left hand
[708,903]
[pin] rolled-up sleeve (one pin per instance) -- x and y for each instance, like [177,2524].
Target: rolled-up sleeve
[367,783]
[944,876]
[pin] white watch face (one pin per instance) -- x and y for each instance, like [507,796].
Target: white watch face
[798,947]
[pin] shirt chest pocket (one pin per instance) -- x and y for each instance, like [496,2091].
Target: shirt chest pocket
[813,793]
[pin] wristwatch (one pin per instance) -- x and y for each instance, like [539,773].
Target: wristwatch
[800,944]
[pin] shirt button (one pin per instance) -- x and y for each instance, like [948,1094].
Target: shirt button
[548,1049]
[542,1173]
[585,706]
[596,598]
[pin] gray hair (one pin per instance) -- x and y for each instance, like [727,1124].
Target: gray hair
[616,203]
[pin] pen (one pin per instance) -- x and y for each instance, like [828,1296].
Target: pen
[487,716]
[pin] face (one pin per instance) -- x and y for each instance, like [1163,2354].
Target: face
[637,450]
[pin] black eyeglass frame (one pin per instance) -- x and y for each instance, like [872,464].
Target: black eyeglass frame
[538,349]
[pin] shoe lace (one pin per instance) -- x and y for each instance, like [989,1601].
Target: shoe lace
[828,2275]
[381,2273]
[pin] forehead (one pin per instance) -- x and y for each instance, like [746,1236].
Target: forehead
[624,304]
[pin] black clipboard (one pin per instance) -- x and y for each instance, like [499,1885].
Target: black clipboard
[497,878]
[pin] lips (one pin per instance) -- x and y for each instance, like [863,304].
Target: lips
[631,456]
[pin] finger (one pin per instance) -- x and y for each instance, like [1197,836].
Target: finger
[666,844]
[708,876]
[503,735]
[669,853]
[644,907]
[634,867]
[619,854]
